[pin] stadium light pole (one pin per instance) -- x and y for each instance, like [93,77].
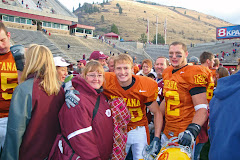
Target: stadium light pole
[148,30]
[165,30]
[156,28]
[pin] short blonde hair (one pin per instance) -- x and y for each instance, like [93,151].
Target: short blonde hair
[92,66]
[39,61]
[123,58]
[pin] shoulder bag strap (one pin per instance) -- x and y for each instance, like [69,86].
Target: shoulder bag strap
[96,107]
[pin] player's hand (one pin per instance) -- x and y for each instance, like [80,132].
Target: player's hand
[18,54]
[154,148]
[188,137]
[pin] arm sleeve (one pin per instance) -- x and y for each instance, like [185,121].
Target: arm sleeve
[76,125]
[19,117]
[197,77]
[153,92]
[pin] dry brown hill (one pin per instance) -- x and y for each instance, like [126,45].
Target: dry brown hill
[184,25]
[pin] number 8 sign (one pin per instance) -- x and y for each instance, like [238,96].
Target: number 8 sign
[221,32]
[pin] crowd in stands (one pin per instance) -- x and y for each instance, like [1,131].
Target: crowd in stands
[111,107]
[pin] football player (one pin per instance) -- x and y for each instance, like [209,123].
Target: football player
[138,92]
[11,64]
[185,103]
[207,61]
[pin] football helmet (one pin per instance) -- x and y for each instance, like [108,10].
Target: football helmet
[171,150]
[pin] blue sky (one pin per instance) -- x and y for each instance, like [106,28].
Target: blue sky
[226,10]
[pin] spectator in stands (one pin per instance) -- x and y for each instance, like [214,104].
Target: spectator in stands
[81,63]
[110,63]
[33,116]
[101,57]
[80,66]
[223,54]
[61,66]
[146,68]
[12,57]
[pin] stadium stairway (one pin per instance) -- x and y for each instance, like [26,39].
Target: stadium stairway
[77,48]
[81,45]
[30,3]
[27,37]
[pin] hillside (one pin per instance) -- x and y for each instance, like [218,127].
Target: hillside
[182,24]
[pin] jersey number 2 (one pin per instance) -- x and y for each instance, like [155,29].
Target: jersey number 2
[172,102]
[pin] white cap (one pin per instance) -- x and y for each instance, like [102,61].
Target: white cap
[60,62]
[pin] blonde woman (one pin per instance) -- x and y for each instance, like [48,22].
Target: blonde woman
[33,117]
[90,138]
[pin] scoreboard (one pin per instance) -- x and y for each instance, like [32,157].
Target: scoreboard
[228,32]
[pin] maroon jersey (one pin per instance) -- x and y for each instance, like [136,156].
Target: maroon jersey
[160,90]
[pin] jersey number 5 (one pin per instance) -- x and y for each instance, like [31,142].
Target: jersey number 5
[172,102]
[5,85]
[139,113]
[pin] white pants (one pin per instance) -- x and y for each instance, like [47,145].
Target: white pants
[137,138]
[3,130]
[164,139]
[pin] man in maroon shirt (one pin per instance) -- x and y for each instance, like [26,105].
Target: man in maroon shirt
[160,65]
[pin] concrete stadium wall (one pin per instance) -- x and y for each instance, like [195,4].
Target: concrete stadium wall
[83,34]
[136,45]
[52,30]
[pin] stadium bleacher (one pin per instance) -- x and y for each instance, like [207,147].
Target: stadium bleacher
[227,46]
[27,37]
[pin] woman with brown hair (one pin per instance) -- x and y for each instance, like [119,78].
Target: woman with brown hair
[146,68]
[221,72]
